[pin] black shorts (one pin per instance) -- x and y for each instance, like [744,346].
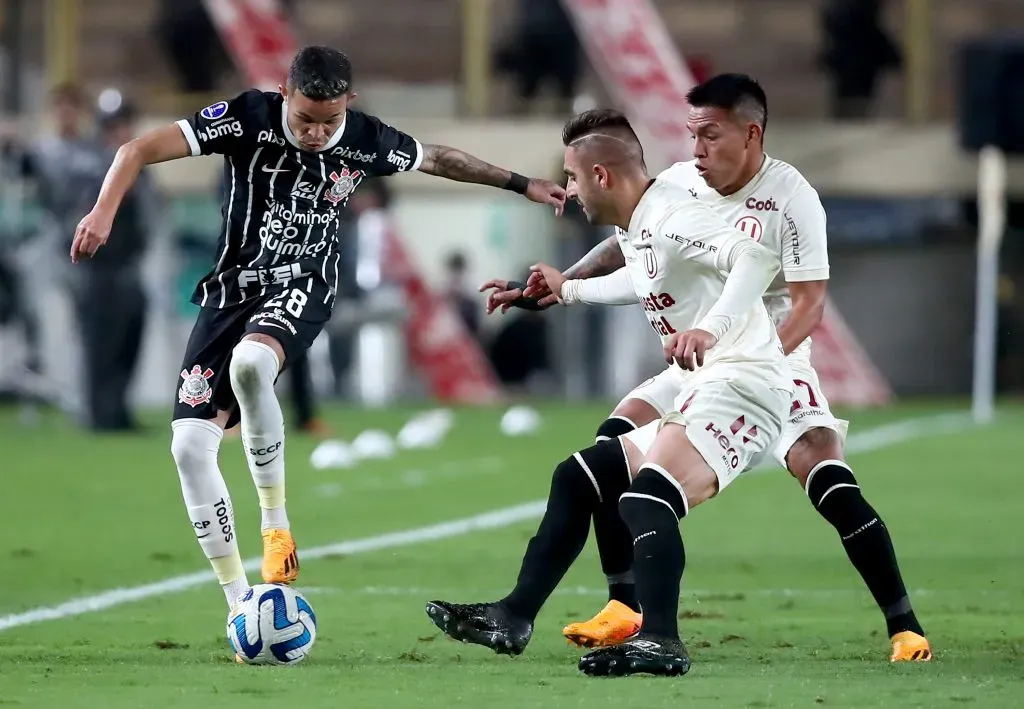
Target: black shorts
[292,315]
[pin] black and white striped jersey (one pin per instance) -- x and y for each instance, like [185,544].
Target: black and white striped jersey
[281,212]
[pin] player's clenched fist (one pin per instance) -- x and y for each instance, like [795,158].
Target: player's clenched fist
[91,234]
[688,348]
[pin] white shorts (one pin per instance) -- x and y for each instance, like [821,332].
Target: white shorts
[659,391]
[732,414]
[808,410]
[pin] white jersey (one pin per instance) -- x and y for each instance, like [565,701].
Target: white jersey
[677,252]
[779,209]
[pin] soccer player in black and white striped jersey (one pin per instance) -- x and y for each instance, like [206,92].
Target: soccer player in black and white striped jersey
[291,161]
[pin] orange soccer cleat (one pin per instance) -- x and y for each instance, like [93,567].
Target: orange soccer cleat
[615,624]
[280,557]
[910,647]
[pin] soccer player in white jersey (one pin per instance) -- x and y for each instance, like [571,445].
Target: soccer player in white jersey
[773,204]
[704,280]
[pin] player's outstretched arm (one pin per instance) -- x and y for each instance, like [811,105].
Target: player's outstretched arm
[156,146]
[460,166]
[614,289]
[603,259]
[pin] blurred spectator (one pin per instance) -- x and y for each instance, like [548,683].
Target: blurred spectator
[857,52]
[543,47]
[48,165]
[459,295]
[109,300]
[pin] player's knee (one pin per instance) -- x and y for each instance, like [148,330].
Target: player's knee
[253,364]
[194,444]
[652,489]
[613,427]
[600,471]
[836,495]
[816,445]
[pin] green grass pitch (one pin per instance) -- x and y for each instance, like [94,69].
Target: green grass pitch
[772,612]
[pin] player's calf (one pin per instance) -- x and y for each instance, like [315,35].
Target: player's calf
[836,495]
[194,445]
[614,545]
[580,485]
[652,508]
[254,369]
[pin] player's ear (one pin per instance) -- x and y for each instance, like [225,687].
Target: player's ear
[284,91]
[601,174]
[352,96]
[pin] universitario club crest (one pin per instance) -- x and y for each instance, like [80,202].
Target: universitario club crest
[195,389]
[344,184]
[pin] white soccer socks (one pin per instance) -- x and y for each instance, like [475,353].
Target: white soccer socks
[194,445]
[254,368]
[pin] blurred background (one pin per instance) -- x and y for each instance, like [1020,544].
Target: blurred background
[874,101]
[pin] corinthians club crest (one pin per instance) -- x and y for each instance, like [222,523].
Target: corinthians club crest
[344,184]
[195,390]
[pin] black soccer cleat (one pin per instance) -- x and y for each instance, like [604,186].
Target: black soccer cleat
[644,654]
[487,624]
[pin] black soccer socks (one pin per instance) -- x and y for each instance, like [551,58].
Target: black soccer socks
[834,492]
[652,508]
[580,484]
[614,542]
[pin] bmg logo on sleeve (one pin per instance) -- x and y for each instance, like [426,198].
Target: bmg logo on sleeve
[399,159]
[219,131]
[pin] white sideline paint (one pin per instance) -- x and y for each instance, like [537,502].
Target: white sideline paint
[874,439]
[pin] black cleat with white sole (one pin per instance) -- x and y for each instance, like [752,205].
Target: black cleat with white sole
[487,624]
[643,654]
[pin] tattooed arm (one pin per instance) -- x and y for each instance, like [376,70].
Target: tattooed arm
[601,260]
[453,164]
[457,165]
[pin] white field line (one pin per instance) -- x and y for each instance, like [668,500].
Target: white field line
[874,439]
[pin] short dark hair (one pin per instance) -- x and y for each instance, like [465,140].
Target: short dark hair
[67,91]
[736,93]
[320,73]
[597,120]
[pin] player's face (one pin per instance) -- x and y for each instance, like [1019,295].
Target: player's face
[314,122]
[720,145]
[587,184]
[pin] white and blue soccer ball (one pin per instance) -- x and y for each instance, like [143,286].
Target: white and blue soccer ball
[272,624]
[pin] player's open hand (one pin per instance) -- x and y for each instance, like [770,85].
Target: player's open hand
[92,233]
[546,192]
[688,348]
[508,294]
[550,279]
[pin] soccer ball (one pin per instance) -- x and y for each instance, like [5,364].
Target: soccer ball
[272,624]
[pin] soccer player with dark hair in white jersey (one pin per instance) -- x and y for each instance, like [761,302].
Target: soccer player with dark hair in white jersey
[292,158]
[773,204]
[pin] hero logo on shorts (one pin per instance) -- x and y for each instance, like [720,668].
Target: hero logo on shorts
[214,111]
[344,184]
[195,389]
